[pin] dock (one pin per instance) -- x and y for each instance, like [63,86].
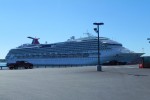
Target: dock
[76,83]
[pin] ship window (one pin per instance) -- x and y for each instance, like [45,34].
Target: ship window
[46,45]
[113,44]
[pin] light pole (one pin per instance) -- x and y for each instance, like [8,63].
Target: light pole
[99,68]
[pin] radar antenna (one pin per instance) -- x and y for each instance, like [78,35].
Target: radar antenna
[88,34]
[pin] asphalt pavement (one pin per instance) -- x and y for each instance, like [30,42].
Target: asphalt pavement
[76,83]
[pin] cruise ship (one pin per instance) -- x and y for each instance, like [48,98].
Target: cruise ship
[81,51]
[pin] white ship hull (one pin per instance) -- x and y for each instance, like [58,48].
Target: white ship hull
[128,58]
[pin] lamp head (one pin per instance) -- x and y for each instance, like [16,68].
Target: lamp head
[98,23]
[96,30]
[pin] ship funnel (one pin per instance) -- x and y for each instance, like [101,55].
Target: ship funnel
[34,40]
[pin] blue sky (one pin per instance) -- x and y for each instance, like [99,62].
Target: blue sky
[126,21]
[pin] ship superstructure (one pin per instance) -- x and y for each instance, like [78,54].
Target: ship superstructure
[81,51]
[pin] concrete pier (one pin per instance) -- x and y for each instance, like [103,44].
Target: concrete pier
[76,83]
